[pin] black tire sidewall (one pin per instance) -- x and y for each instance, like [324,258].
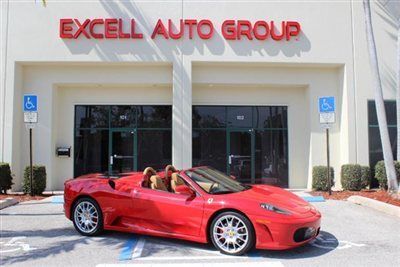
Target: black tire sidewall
[249,226]
[99,227]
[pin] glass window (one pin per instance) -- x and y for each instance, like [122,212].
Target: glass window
[390,108]
[209,117]
[123,116]
[262,117]
[278,117]
[91,116]
[154,116]
[240,116]
[209,148]
[154,149]
[90,151]
[271,158]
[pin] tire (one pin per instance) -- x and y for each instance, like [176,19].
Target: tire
[232,233]
[87,217]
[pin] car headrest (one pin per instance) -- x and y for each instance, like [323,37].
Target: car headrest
[149,171]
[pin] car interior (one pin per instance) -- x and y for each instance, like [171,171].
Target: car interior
[167,183]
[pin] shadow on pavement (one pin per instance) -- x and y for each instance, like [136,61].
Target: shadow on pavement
[324,243]
[59,247]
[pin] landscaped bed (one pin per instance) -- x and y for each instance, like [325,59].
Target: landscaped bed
[23,197]
[380,195]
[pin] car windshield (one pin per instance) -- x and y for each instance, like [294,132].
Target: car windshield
[215,182]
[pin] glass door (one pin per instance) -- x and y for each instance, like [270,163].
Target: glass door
[240,154]
[122,151]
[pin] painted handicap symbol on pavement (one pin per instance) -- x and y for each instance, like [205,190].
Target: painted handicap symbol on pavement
[14,244]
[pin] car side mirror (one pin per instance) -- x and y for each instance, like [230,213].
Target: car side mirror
[233,177]
[184,190]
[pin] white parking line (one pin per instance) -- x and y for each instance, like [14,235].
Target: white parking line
[206,264]
[137,251]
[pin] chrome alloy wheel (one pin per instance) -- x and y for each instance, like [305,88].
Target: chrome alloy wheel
[230,234]
[86,217]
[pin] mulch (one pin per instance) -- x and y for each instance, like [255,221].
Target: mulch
[22,197]
[379,195]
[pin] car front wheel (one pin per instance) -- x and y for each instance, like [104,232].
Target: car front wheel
[232,233]
[87,217]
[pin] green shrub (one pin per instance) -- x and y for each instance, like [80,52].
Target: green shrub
[365,176]
[380,173]
[5,177]
[350,176]
[39,180]
[320,179]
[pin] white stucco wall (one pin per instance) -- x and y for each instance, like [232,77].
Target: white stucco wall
[329,58]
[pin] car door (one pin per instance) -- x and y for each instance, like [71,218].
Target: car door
[167,212]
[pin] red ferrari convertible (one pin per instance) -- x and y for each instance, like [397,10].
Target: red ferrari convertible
[199,204]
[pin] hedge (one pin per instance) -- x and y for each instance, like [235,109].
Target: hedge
[39,180]
[5,177]
[350,176]
[380,173]
[365,176]
[320,179]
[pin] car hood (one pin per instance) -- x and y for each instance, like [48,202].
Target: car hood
[278,197]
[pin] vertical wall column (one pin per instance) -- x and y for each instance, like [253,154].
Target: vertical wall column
[182,114]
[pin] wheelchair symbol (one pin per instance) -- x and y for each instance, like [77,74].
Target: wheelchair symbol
[325,105]
[28,104]
[15,244]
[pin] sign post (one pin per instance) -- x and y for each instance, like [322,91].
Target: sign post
[30,108]
[326,119]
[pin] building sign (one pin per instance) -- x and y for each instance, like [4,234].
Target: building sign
[117,28]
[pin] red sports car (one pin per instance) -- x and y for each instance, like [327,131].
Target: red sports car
[199,204]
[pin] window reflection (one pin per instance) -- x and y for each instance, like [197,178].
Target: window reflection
[123,116]
[209,117]
[154,116]
[154,149]
[271,159]
[91,151]
[240,116]
[265,132]
[209,148]
[91,116]
[374,138]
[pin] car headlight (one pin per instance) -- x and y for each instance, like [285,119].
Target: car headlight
[273,208]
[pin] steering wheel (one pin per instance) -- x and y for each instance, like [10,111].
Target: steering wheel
[213,187]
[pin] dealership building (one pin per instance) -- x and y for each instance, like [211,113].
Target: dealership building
[235,85]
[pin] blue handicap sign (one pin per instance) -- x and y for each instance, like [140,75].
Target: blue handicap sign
[30,103]
[326,104]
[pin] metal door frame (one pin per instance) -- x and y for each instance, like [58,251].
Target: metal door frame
[110,146]
[252,149]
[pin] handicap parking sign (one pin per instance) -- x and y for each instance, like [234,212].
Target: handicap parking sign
[30,103]
[326,104]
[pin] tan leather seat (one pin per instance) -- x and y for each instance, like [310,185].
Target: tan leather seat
[157,183]
[175,181]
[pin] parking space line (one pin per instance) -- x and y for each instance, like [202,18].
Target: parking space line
[137,252]
[206,264]
[57,200]
[126,253]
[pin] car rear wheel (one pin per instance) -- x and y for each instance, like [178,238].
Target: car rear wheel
[232,233]
[87,217]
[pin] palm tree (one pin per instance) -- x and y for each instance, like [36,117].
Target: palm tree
[379,102]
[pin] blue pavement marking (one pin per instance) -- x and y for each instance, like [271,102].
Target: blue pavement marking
[314,199]
[57,200]
[126,253]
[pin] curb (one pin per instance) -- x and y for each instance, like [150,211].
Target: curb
[376,205]
[7,202]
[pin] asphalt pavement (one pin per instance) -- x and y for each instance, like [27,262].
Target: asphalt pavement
[38,234]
